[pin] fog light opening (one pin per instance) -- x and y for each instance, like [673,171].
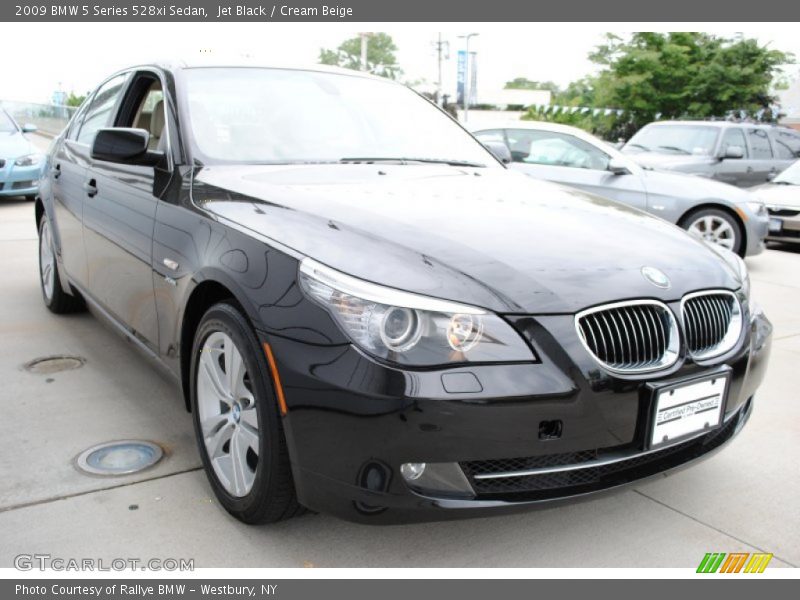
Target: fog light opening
[412,471]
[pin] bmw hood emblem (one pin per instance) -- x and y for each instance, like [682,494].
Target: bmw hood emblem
[657,277]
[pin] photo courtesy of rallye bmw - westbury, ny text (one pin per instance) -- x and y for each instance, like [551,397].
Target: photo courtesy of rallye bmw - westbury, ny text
[138,590]
[398,299]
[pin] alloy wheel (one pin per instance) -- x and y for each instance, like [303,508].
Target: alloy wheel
[227,412]
[714,229]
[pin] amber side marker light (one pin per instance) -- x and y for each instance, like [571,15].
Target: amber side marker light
[276,378]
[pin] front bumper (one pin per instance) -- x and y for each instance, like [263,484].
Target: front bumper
[757,228]
[790,225]
[19,181]
[352,422]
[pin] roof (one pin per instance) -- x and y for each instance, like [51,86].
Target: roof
[246,63]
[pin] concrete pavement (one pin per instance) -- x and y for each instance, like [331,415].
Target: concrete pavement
[743,499]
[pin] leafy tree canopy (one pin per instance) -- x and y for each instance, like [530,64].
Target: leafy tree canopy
[381,59]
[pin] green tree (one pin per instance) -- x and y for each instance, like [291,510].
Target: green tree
[75,100]
[380,55]
[669,76]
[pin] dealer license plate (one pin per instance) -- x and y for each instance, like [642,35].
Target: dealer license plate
[685,410]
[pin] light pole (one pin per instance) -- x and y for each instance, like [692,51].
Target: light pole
[364,37]
[467,75]
[442,48]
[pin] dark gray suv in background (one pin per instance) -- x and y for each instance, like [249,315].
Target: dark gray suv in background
[743,154]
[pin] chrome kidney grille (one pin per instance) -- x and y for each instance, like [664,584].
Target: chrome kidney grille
[630,337]
[712,322]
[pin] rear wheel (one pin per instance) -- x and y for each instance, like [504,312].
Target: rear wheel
[237,423]
[55,298]
[716,226]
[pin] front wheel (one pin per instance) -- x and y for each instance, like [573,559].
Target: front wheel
[237,423]
[716,226]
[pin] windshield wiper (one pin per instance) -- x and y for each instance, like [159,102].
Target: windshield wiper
[410,161]
[675,149]
[645,148]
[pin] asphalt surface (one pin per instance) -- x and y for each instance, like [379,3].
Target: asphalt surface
[744,499]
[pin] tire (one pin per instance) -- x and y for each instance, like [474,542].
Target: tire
[30,198]
[55,298]
[716,226]
[253,487]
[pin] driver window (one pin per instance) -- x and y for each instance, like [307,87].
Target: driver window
[555,149]
[733,137]
[149,115]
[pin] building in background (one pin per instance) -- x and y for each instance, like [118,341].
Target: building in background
[790,104]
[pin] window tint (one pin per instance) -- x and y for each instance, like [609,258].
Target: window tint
[554,149]
[787,144]
[759,143]
[733,137]
[99,113]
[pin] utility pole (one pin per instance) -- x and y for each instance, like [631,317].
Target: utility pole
[442,48]
[467,75]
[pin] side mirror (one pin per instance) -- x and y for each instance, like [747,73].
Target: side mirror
[500,151]
[733,152]
[126,146]
[618,167]
[29,128]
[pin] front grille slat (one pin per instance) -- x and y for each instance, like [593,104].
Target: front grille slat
[712,322]
[630,336]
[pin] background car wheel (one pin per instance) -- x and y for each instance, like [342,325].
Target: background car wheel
[30,198]
[55,298]
[716,226]
[237,422]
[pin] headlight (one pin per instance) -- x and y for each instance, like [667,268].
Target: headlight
[410,329]
[29,160]
[757,207]
[736,263]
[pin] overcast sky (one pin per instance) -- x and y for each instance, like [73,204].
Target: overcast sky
[40,57]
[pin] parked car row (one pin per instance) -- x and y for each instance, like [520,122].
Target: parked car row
[742,154]
[369,315]
[716,212]
[21,163]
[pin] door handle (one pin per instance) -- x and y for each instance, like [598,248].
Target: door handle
[57,171]
[91,188]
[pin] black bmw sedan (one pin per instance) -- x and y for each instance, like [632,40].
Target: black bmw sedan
[370,316]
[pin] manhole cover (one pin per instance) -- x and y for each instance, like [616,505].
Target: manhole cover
[54,364]
[119,458]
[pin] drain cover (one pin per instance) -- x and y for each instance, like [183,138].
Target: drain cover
[54,364]
[119,458]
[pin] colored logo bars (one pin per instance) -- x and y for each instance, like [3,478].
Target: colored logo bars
[736,562]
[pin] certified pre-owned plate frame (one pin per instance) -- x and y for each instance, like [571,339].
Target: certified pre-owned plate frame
[657,389]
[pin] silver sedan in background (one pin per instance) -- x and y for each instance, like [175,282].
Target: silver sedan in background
[716,212]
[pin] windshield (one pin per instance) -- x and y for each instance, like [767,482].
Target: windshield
[675,139]
[252,115]
[6,124]
[790,175]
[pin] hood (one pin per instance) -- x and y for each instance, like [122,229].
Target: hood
[680,162]
[488,237]
[777,194]
[14,145]
[692,187]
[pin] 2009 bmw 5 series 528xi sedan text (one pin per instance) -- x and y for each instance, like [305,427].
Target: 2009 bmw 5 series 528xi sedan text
[370,316]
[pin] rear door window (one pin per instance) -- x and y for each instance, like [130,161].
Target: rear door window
[759,143]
